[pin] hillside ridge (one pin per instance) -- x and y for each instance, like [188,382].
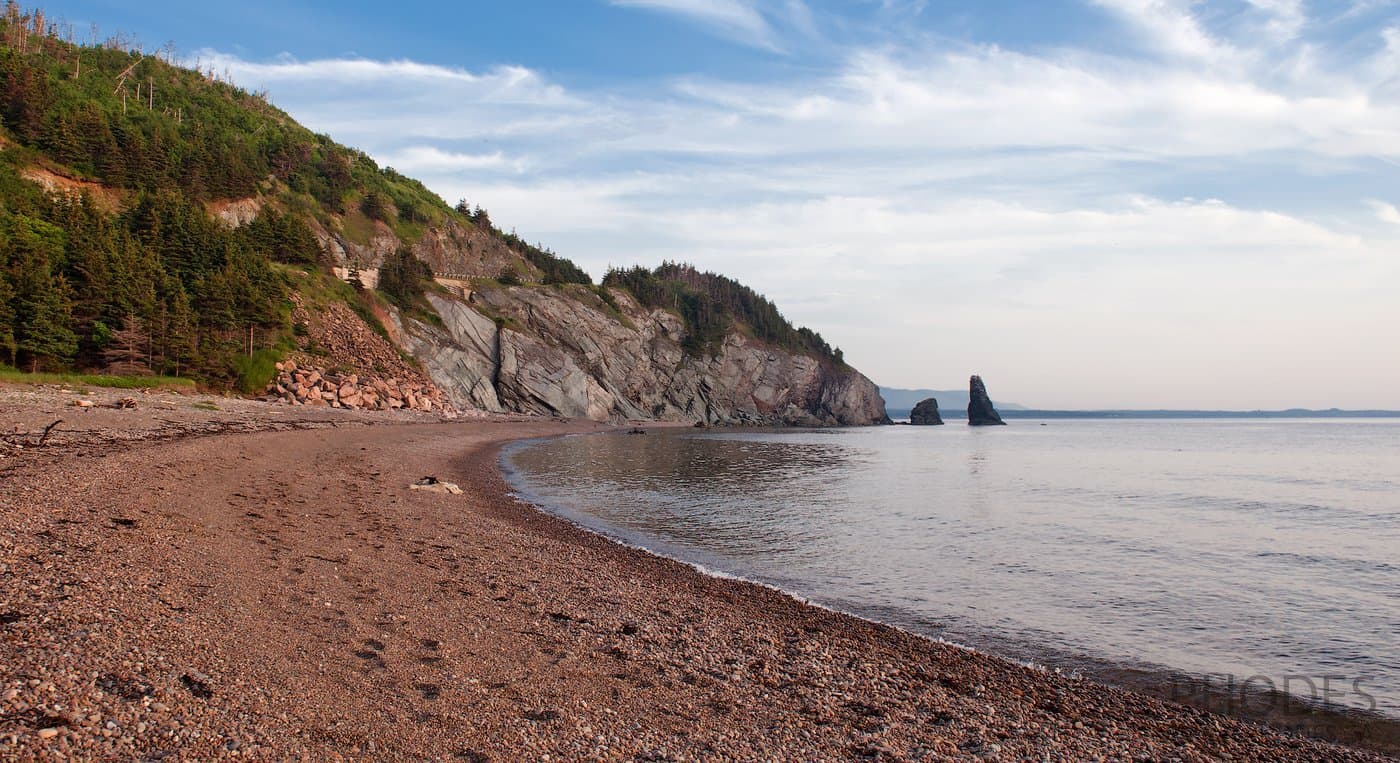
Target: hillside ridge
[162,215]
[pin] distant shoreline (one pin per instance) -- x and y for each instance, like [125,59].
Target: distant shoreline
[1295,413]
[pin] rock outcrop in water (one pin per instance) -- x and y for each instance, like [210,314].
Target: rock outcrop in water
[980,412]
[564,351]
[926,413]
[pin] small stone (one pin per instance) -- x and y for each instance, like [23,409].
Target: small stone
[48,733]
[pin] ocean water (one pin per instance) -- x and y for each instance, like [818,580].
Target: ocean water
[1260,553]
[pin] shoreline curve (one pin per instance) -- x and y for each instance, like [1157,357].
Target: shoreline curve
[280,594]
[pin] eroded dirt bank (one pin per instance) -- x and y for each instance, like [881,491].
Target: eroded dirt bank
[282,594]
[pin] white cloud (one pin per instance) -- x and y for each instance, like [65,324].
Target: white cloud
[1284,18]
[1365,7]
[433,159]
[989,97]
[1385,212]
[502,84]
[1170,27]
[738,19]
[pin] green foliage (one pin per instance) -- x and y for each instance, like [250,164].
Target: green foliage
[199,294]
[8,344]
[101,334]
[711,305]
[72,271]
[136,122]
[606,295]
[555,269]
[254,372]
[10,375]
[31,249]
[285,238]
[403,279]
[376,206]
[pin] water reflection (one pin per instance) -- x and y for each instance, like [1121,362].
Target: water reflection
[1212,547]
[703,497]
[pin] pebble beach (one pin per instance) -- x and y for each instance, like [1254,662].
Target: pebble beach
[234,580]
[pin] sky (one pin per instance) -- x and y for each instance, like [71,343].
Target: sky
[1091,203]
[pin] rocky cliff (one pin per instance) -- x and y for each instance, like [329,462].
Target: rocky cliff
[450,247]
[562,350]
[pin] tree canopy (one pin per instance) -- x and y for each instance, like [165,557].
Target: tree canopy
[711,305]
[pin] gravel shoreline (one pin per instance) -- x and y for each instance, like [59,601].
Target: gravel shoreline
[271,595]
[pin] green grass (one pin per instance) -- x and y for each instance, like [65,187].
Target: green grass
[205,406]
[255,372]
[10,375]
[356,226]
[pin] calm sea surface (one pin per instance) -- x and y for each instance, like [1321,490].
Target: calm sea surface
[1244,548]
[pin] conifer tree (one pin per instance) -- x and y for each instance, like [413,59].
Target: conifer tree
[45,323]
[7,319]
[42,303]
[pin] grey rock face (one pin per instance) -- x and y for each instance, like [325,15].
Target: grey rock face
[925,413]
[563,351]
[980,411]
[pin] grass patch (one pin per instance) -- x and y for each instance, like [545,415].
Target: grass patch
[14,376]
[355,225]
[204,405]
[256,371]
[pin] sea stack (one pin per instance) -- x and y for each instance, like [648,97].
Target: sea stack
[980,412]
[925,413]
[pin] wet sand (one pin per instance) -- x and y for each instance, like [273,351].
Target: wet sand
[283,595]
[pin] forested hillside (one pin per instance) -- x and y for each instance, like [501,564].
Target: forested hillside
[712,305]
[115,164]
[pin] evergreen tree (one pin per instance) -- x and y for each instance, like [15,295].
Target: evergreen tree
[42,305]
[403,277]
[45,323]
[7,318]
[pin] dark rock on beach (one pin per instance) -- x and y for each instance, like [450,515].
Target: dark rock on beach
[925,413]
[980,412]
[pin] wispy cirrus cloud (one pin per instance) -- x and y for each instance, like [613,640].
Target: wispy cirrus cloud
[1172,28]
[737,19]
[516,84]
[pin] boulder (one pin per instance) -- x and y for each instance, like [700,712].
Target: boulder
[980,411]
[926,413]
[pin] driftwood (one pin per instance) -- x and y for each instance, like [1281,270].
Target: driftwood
[20,440]
[48,429]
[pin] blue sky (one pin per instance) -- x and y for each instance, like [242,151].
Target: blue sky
[1091,203]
